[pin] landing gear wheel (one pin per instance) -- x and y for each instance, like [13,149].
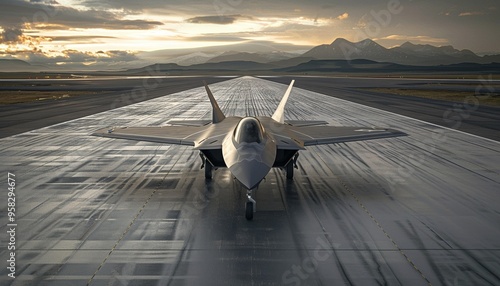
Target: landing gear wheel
[208,170]
[250,206]
[249,211]
[289,170]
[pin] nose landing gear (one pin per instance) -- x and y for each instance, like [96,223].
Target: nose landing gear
[250,206]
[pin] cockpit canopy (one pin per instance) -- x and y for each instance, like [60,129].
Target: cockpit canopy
[249,130]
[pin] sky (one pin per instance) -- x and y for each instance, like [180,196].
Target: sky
[117,32]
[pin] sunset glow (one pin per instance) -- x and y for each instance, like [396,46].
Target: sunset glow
[42,30]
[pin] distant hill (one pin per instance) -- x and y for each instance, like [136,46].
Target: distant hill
[193,59]
[346,66]
[207,67]
[8,65]
[232,66]
[431,55]
[203,54]
[367,66]
[236,56]
[316,66]
[406,54]
[342,49]
[252,57]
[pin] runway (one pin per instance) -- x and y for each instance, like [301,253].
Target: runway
[112,92]
[416,210]
[466,115]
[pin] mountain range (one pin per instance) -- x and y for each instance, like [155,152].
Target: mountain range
[310,67]
[406,54]
[13,65]
[342,49]
[284,57]
[341,56]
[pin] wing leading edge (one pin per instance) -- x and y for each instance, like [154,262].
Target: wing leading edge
[181,135]
[318,135]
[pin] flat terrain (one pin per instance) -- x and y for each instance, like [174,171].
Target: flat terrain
[414,210]
[95,95]
[447,95]
[22,96]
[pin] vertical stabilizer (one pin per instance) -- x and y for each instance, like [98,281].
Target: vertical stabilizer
[279,114]
[217,115]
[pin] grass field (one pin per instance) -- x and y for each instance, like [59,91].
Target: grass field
[492,99]
[12,97]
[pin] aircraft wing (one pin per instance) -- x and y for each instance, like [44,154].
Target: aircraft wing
[201,137]
[301,123]
[190,122]
[317,135]
[181,135]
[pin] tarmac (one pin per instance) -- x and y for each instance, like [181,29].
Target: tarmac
[467,115]
[105,93]
[415,210]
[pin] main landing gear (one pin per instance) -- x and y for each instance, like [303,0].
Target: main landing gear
[250,206]
[291,165]
[207,165]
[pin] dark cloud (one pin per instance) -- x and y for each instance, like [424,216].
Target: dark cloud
[17,13]
[221,20]
[11,35]
[133,5]
[98,19]
[44,1]
[77,59]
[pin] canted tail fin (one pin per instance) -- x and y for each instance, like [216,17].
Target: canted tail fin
[279,114]
[217,115]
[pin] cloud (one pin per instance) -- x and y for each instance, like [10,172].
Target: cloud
[220,20]
[88,19]
[257,8]
[470,14]
[18,14]
[79,38]
[130,5]
[10,35]
[216,38]
[119,56]
[44,1]
[15,39]
[343,16]
[76,59]
[168,24]
[423,39]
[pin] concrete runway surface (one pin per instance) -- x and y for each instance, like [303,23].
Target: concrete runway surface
[118,92]
[466,115]
[416,210]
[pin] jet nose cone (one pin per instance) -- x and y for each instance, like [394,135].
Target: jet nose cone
[250,172]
